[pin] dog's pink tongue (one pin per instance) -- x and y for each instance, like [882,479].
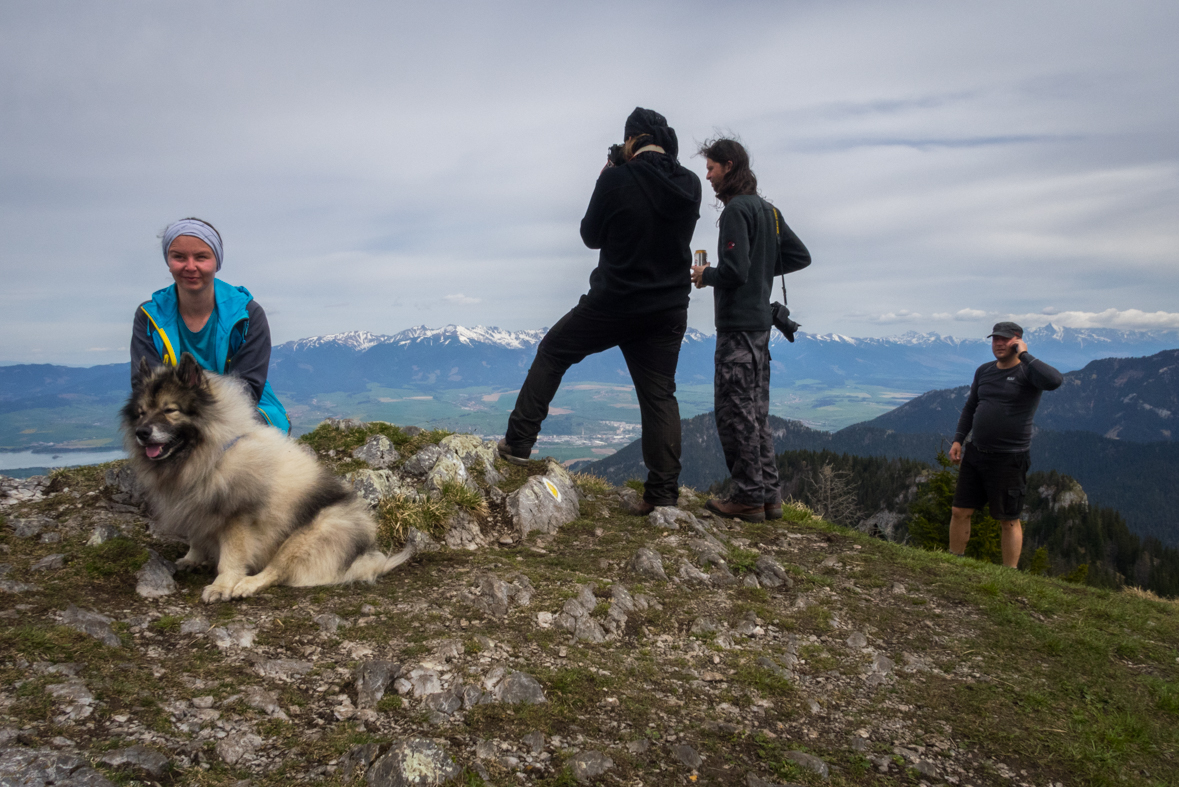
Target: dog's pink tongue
[153,450]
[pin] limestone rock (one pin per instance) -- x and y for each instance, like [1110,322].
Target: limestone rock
[378,453]
[665,517]
[102,533]
[49,563]
[329,622]
[76,700]
[755,781]
[44,767]
[589,765]
[412,762]
[448,470]
[808,761]
[237,634]
[358,758]
[372,485]
[282,669]
[420,542]
[519,688]
[125,486]
[687,755]
[140,758]
[648,564]
[30,527]
[234,748]
[478,456]
[194,625]
[771,574]
[857,640]
[155,578]
[631,502]
[91,623]
[692,575]
[260,699]
[372,677]
[495,596]
[423,461]
[464,532]
[545,502]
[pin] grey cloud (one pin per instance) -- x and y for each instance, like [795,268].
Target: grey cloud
[385,156]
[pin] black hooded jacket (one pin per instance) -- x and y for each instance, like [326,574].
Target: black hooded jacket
[642,216]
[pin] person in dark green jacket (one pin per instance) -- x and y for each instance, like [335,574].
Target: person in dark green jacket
[221,325]
[754,246]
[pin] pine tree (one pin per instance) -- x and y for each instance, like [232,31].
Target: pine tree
[929,523]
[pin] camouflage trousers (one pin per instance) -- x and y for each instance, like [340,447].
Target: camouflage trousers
[742,400]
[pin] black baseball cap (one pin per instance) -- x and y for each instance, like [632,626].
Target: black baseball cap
[1007,330]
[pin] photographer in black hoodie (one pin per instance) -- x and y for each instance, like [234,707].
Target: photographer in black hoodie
[641,216]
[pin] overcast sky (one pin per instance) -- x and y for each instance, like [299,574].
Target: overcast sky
[376,166]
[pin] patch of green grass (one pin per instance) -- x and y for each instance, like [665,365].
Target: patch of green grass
[590,484]
[389,703]
[636,484]
[766,682]
[741,561]
[116,557]
[165,624]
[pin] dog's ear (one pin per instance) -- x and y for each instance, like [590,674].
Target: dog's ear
[141,374]
[189,372]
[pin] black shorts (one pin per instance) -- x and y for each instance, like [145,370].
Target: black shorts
[1000,479]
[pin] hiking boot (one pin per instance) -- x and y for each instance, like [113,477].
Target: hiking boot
[774,510]
[641,508]
[511,455]
[731,510]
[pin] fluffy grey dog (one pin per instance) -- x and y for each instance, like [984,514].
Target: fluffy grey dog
[249,500]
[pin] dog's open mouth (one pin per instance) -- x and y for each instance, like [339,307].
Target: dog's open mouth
[158,451]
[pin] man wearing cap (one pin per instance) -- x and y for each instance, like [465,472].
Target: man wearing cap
[641,217]
[994,465]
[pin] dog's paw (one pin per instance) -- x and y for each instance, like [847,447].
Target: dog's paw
[184,564]
[248,587]
[216,592]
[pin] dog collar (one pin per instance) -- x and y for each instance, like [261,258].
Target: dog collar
[230,444]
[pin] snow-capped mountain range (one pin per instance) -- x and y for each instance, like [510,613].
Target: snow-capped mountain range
[458,357]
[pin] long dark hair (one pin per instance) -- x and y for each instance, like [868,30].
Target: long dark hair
[740,179]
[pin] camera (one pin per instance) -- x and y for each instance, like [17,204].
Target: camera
[616,157]
[780,315]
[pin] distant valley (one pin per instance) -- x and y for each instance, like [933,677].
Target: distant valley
[465,379]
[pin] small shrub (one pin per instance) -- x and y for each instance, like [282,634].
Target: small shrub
[1038,566]
[397,514]
[465,498]
[1077,575]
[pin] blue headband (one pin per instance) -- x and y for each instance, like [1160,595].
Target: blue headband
[197,229]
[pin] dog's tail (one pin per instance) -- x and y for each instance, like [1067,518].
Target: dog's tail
[373,564]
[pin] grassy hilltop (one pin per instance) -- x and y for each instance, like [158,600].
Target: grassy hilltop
[888,664]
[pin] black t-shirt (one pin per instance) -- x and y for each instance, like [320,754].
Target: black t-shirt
[1002,403]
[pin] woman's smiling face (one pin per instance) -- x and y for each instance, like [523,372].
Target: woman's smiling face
[192,264]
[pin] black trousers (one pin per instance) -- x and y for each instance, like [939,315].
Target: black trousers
[742,400]
[650,343]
